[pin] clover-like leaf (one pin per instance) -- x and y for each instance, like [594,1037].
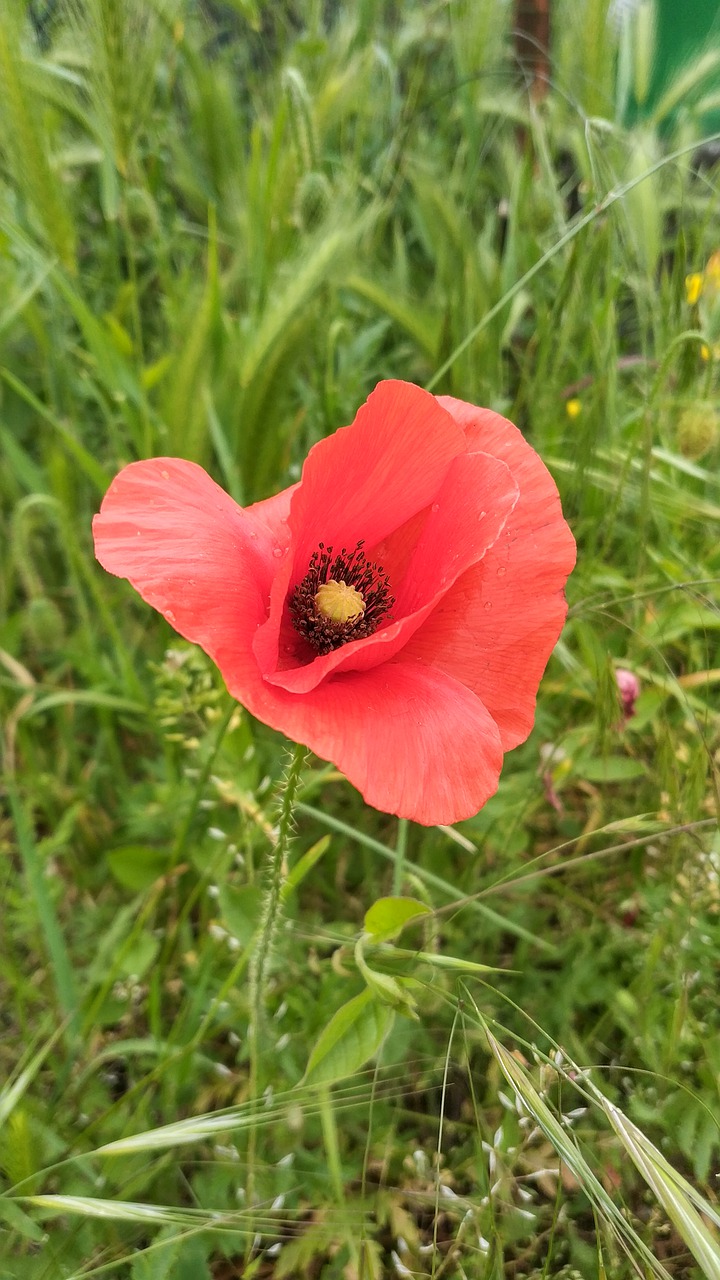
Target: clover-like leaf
[387,917]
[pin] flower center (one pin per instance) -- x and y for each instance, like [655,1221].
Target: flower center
[339,602]
[341,598]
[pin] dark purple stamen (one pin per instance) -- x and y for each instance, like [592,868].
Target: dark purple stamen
[357,571]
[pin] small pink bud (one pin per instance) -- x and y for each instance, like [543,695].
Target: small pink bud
[629,690]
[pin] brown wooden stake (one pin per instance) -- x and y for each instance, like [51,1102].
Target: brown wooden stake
[532,44]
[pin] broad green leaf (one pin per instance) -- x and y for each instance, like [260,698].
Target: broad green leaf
[136,959]
[137,866]
[386,988]
[387,917]
[353,1034]
[611,769]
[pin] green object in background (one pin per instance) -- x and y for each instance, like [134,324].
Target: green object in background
[669,61]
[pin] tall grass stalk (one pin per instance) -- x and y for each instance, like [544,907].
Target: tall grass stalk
[54,941]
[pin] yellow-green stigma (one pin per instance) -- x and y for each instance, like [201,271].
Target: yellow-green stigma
[339,602]
[341,598]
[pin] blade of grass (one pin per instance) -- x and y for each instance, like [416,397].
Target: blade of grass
[49,923]
[566,1146]
[675,1194]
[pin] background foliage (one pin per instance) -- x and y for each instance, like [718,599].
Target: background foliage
[220,225]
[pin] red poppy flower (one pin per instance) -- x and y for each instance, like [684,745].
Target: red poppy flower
[393,611]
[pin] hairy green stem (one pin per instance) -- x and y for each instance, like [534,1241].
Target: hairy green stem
[276,872]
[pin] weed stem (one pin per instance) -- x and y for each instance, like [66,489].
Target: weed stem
[276,871]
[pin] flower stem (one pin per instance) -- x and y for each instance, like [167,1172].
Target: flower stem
[276,871]
[400,850]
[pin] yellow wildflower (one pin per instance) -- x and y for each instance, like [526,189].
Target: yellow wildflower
[573,408]
[693,287]
[704,283]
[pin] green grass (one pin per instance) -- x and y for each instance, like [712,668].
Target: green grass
[220,225]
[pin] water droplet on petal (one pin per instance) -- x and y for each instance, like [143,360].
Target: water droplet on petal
[169,615]
[277,552]
[482,515]
[501,571]
[165,475]
[436,506]
[488,604]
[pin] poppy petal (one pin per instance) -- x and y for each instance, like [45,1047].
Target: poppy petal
[364,480]
[410,738]
[361,483]
[190,551]
[470,510]
[496,628]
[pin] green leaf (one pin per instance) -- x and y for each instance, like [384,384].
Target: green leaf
[418,322]
[170,1257]
[387,917]
[441,961]
[82,697]
[136,959]
[304,865]
[18,1220]
[298,1256]
[611,769]
[353,1034]
[391,991]
[137,866]
[241,910]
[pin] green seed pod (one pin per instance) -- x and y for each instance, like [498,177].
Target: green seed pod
[697,430]
[141,212]
[43,624]
[312,200]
